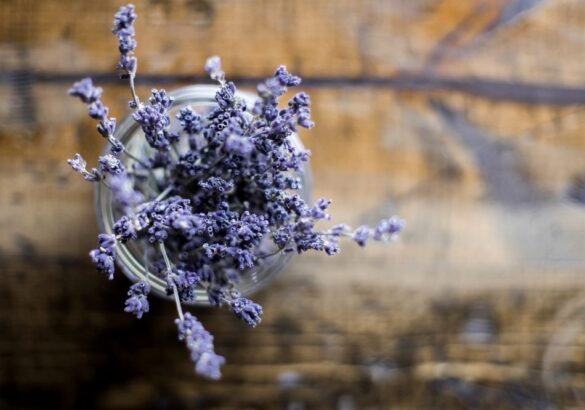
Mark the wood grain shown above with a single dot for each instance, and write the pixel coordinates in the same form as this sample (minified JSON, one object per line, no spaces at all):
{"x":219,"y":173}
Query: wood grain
{"x":463,"y":117}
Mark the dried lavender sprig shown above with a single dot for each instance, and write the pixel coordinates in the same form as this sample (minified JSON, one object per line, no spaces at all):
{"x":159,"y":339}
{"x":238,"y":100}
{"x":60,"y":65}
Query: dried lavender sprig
{"x":124,"y":29}
{"x":91,"y":95}
{"x":198,"y":340}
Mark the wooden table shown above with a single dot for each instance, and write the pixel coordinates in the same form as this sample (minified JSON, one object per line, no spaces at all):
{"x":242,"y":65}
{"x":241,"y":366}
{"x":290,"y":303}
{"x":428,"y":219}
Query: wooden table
{"x":464,"y":117}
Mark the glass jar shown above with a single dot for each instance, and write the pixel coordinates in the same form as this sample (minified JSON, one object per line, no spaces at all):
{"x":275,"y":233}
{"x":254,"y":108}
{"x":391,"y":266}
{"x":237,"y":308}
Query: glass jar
{"x":131,"y":256}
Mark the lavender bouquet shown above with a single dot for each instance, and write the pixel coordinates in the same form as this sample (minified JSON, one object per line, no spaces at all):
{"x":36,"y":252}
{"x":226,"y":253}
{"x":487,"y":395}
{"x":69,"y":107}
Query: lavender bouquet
{"x":219,"y":187}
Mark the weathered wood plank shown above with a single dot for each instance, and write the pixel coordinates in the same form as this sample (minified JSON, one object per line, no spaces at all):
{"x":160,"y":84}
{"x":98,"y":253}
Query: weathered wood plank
{"x":317,"y":38}
{"x":315,"y":348}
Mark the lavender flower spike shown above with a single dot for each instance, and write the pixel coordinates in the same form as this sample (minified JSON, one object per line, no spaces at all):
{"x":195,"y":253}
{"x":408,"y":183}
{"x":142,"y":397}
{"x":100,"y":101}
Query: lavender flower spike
{"x":200,"y":342}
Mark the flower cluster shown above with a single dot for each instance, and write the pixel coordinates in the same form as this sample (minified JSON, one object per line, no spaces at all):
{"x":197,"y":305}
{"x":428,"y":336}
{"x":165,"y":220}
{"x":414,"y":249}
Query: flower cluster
{"x":137,"y":302}
{"x":220,"y":188}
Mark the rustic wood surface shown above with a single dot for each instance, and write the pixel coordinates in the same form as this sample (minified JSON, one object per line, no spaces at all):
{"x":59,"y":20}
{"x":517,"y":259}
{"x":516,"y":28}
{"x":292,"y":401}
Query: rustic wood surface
{"x":464,"y":117}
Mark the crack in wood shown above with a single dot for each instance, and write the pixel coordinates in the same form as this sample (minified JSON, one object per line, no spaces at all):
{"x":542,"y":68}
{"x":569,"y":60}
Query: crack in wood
{"x":490,"y":89}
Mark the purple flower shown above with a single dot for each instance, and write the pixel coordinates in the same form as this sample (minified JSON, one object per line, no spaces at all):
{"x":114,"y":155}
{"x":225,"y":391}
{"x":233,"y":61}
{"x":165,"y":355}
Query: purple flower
{"x":361,"y":235}
{"x":208,"y":365}
{"x":126,"y":43}
{"x":124,"y":19}
{"x":190,"y":120}
{"x":128,"y":64}
{"x":106,"y":127}
{"x":124,"y":30}
{"x":200,"y":343}
{"x":161,"y":98}
{"x":154,"y":121}
{"x":125,"y":229}
{"x":285,"y":78}
{"x":97,"y":110}
{"x":123,"y":192}
{"x":247,"y":310}
{"x":86,"y":91}
{"x":226,"y":96}
{"x":331,"y":248}
{"x":116,"y":147}
{"x":78,"y":164}
{"x":318,"y":211}
{"x":137,"y":303}
{"x":235,"y":144}
{"x":300,"y":105}
{"x":300,"y":100}
{"x":103,"y":262}
{"x":104,"y":255}
{"x":388,"y":228}
{"x":186,"y":282}
{"x":213,"y":68}
{"x":215,"y":186}
{"x":109,"y":164}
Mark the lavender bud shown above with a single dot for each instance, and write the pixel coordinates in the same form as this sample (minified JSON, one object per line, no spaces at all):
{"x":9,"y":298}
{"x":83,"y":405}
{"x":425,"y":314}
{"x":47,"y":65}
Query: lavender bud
{"x":124,"y":228}
{"x":247,"y":310}
{"x":128,"y":64}
{"x":106,"y":127}
{"x":137,"y":303}
{"x":388,"y":228}
{"x":103,"y":262}
{"x":190,"y":120}
{"x":126,"y":43}
{"x":97,"y":110}
{"x":318,"y":211}
{"x":162,"y":98}
{"x":116,"y":146}
{"x":331,"y":248}
{"x":78,"y":164}
{"x":105,"y":254}
{"x":85,"y":90}
{"x":213,"y":68}
{"x":124,"y":18}
{"x":235,"y":144}
{"x":361,"y":235}
{"x":109,"y":164}
{"x":285,"y":78}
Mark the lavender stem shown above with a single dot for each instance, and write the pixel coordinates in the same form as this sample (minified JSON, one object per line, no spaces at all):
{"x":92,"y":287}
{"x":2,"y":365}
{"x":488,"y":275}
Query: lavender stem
{"x":163,"y":250}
